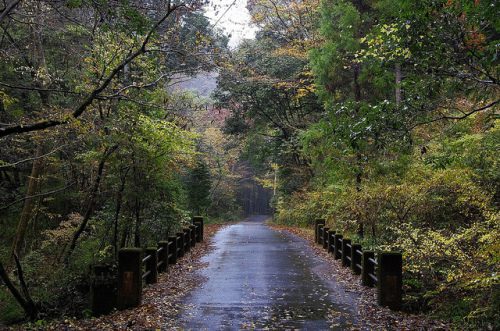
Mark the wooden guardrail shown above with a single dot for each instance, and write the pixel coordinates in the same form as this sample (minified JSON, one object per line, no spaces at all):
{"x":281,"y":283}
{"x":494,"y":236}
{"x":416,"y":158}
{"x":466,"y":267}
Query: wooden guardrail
{"x":383,"y":269}
{"x":137,"y":266}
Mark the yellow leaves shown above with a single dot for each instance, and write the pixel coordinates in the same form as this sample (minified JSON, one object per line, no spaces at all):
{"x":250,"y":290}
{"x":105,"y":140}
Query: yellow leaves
{"x":385,"y":43}
{"x":6,"y":99}
{"x":165,"y":142}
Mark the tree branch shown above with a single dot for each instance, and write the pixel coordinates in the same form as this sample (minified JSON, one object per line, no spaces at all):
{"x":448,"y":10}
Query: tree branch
{"x":465,"y":115}
{"x":38,"y":195}
{"x":21,"y":128}
{"x":8,"y":9}
{"x":11,"y":165}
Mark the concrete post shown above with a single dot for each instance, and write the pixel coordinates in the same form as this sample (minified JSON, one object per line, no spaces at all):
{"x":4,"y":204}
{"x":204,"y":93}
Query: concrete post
{"x":180,"y":244}
{"x":331,"y":241}
{"x":390,"y":280}
{"x":102,"y":290}
{"x":346,"y":252}
{"x":337,"y":248}
{"x":129,"y":277}
{"x":317,"y":222}
{"x":198,"y":220}
{"x":187,"y":240}
{"x":325,"y":237}
{"x":193,"y":235}
{"x":173,"y":250}
{"x":319,"y":230}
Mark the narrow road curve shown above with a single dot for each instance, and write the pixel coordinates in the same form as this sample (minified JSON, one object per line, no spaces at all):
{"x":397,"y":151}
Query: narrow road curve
{"x":258,"y":278}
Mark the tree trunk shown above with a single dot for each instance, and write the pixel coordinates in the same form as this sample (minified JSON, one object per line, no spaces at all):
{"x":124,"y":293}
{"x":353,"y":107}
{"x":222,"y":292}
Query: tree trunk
{"x":29,"y":203}
{"x":397,"y":70}
{"x":137,"y":233}
{"x":25,"y":302}
{"x":91,"y":201}
{"x":119,"y":198}
{"x":359,"y":174}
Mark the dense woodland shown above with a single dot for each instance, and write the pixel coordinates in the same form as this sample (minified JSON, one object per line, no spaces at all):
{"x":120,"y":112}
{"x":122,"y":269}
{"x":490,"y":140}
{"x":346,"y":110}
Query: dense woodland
{"x":379,"y":115}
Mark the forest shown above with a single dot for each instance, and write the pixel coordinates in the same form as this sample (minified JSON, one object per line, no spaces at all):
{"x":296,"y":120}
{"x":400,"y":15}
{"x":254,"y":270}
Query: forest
{"x":378,"y":115}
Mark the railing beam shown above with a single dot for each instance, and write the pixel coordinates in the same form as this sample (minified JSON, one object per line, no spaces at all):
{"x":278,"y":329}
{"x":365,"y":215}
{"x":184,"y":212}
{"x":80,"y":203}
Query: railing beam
{"x":151,"y":265}
{"x":163,"y":256}
{"x":356,"y":259}
{"x":367,"y":268}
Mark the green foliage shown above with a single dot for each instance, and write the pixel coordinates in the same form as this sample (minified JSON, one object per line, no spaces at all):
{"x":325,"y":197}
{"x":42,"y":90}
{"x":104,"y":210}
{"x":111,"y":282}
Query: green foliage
{"x":123,"y":165}
{"x":440,"y":210}
{"x":10,"y":310}
{"x":199,"y":187}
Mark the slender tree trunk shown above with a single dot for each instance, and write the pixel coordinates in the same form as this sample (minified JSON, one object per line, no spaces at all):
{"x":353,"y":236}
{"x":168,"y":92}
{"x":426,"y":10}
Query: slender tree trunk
{"x":23,"y":299}
{"x":359,"y":174}
{"x":91,"y":201}
{"x":33,"y":184}
{"x":397,"y":70}
{"x":125,"y":233}
{"x":137,"y":232}
{"x":119,"y":198}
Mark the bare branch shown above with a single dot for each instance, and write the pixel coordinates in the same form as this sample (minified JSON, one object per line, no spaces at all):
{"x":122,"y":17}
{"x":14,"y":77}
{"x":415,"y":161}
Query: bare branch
{"x":38,"y":89}
{"x":10,"y":165}
{"x":38,"y":195}
{"x":465,"y":115}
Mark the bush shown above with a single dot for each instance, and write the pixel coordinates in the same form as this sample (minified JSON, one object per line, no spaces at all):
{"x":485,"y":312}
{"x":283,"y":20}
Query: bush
{"x":10,"y":311}
{"x":445,"y":224}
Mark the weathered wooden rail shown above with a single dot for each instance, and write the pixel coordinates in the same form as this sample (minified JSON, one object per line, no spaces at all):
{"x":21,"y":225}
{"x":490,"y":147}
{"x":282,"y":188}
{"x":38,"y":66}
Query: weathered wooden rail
{"x":137,"y":266}
{"x":381,"y":269}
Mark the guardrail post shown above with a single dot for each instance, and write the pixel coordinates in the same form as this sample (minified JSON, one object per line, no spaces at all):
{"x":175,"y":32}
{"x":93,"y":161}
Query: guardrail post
{"x":346,"y":252}
{"x":187,"y":240}
{"x":193,"y":235}
{"x":173,"y":250}
{"x":198,"y":220}
{"x":337,"y":248}
{"x":317,"y":222}
{"x":367,"y":268}
{"x":151,"y":265}
{"x":102,"y":290}
{"x":331,"y":241}
{"x":180,"y":244}
{"x":163,"y":256}
{"x":129,"y":277}
{"x":325,"y":237}
{"x":390,"y":280}
{"x":320,"y":233}
{"x":356,"y":258}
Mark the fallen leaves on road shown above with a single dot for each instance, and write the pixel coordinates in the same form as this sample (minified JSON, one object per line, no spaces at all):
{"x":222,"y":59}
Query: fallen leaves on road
{"x":371,"y":315}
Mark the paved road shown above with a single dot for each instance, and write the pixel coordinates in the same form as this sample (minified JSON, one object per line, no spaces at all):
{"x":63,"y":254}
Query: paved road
{"x":259,"y":278}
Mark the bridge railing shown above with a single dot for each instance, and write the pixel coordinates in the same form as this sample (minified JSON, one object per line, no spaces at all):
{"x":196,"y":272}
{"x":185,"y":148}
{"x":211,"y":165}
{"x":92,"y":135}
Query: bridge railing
{"x":381,"y":269}
{"x":137,"y":266}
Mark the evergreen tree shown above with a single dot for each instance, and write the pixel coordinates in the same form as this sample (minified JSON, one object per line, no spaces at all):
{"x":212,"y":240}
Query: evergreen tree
{"x":199,"y":187}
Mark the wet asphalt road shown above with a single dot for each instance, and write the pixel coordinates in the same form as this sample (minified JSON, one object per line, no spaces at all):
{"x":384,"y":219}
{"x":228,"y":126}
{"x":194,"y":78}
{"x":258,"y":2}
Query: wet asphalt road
{"x":258,"y":278}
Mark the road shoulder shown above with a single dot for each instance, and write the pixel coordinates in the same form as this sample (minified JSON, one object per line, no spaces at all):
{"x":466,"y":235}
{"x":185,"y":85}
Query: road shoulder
{"x":371,"y":316}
